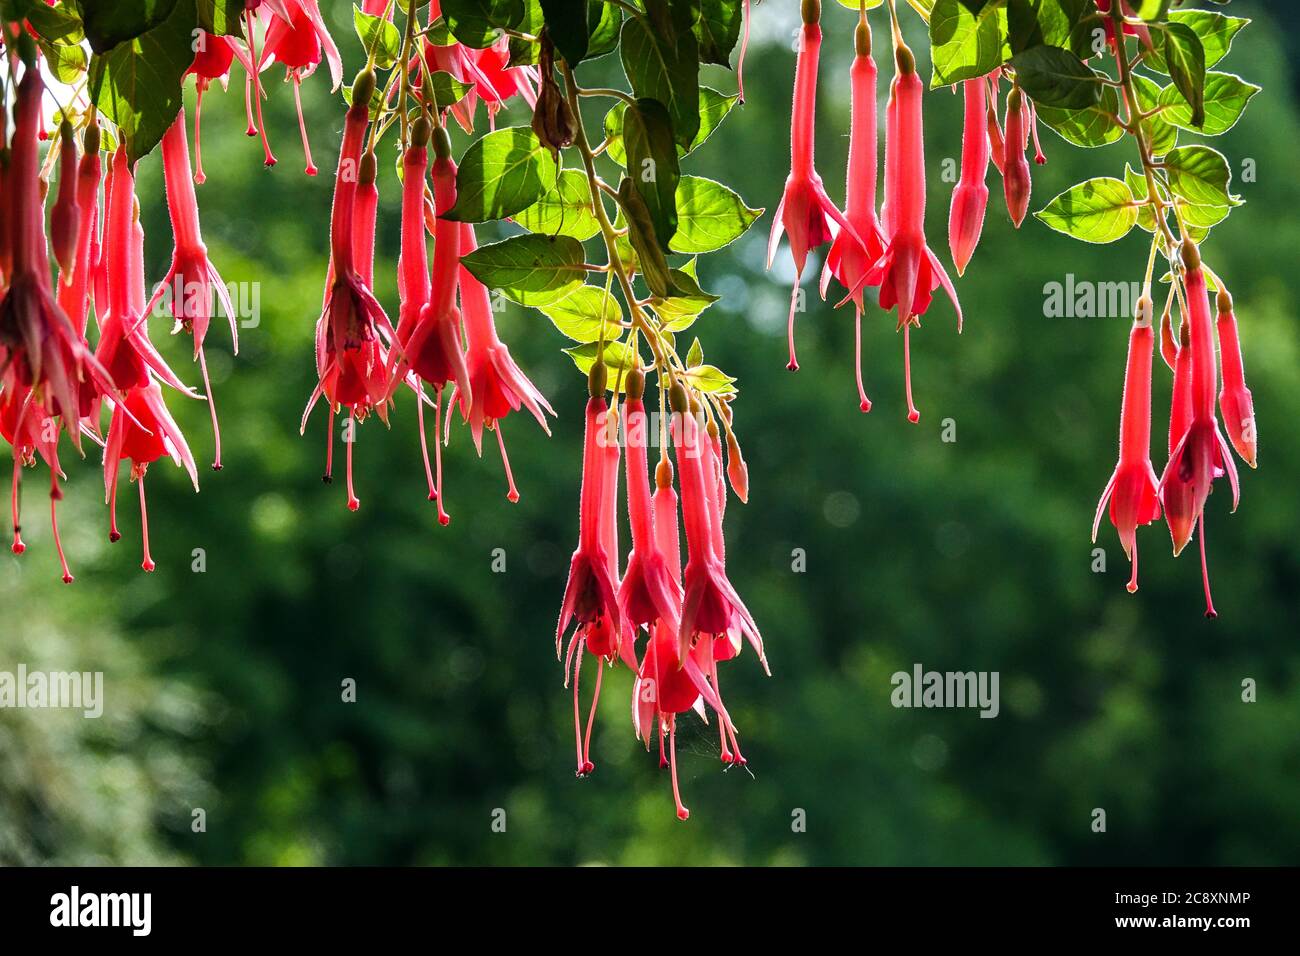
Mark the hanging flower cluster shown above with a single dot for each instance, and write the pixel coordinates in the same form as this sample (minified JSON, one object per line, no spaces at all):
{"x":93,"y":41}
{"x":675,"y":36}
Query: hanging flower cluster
{"x":607,"y":246}
{"x":1177,"y":195}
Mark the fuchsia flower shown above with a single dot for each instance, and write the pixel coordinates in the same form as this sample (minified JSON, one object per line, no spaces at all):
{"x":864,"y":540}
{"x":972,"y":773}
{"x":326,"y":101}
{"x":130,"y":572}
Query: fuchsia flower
{"x":497,"y":385}
{"x":141,"y":428}
{"x":650,"y":594}
{"x":488,"y":72}
{"x":590,"y":594}
{"x":47,"y":373}
{"x":852,"y":254}
{"x":971,"y":197}
{"x":1235,"y":402}
{"x":212,"y":61}
{"x":806,"y":212}
{"x":297,"y":43}
{"x":711,"y":606}
{"x":908,"y":272}
{"x":74,"y":283}
{"x":1201,"y":454}
{"x":1132,"y":489}
{"x":1015,"y":168}
{"x":430,"y":346}
{"x":351,"y":361}
{"x":65,"y":217}
{"x":191,"y":279}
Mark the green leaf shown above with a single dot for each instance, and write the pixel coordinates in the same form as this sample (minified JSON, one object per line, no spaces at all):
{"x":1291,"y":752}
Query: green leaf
{"x":1054,"y":77}
{"x":564,"y":211}
{"x":1049,"y":23}
{"x":709,"y":216}
{"x":480,"y":23}
{"x":617,"y":357}
{"x":662,"y":62}
{"x":566,"y":25}
{"x":501,"y":174}
{"x":1099,"y":210}
{"x":447,"y":90}
{"x":606,"y":21}
{"x":1095,"y":126}
{"x":67,"y":63}
{"x":965,"y":44}
{"x":531,"y":270}
{"x":679,"y":310}
{"x":378,"y":35}
{"x":717,"y":30}
{"x":223,"y":18}
{"x":1225,"y":100}
{"x":709,"y":378}
{"x":1160,"y":135}
{"x":57,"y":25}
{"x":137,"y":84}
{"x":652,"y":163}
{"x":641,"y":235}
{"x":714,"y":107}
{"x":695,"y":355}
{"x":1200,"y":174}
{"x":584,"y":313}
{"x":526,"y":52}
{"x":110,"y":22}
{"x":1185,"y":60}
{"x":1214,"y":30}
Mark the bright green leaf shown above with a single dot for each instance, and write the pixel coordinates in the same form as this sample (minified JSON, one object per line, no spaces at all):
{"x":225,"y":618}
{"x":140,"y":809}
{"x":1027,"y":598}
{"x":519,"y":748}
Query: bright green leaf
{"x":501,"y":174}
{"x":1099,"y":210}
{"x":709,"y":216}
{"x":565,"y":210}
{"x":531,"y":270}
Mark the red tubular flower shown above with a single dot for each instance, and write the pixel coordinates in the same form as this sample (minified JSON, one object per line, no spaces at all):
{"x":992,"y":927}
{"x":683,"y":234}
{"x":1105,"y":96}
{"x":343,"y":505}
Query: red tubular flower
{"x":431,"y":345}
{"x":971,"y":197}
{"x":997,"y":143}
{"x":351,"y":365}
{"x":65,"y":217}
{"x":1132,"y":490}
{"x":711,"y":606}
{"x":908,"y":272}
{"x":849,"y":259}
{"x":1180,"y":404}
{"x":191,"y":279}
{"x":1015,"y":168}
{"x":74,"y":284}
{"x":497,"y":385}
{"x":39,"y":346}
{"x":1235,"y":402}
{"x":650,"y":592}
{"x":590,"y":594}
{"x":805,"y":212}
{"x":212,"y":61}
{"x":1201,"y":454}
{"x":297,"y":44}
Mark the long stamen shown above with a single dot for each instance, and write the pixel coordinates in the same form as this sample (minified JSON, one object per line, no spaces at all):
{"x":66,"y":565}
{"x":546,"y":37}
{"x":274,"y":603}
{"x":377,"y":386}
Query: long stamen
{"x":663,"y":757}
{"x":722,"y":723}
{"x":212,"y":409}
{"x":251,"y":129}
{"x":863,"y":402}
{"x":913,"y":415}
{"x":577,"y":711}
{"x":682,"y":812}
{"x":740,"y":60}
{"x":147,"y":564}
{"x":513,"y":494}
{"x":587,"y":765}
{"x":793,"y":364}
{"x":199,"y":176}
{"x":424,"y":447}
{"x":353,"y":501}
{"x":55,"y":495}
{"x":257,"y":90}
{"x":444,"y":519}
{"x":1133,"y":581}
{"x":302,"y":125}
{"x":114,"y":535}
{"x":17,"y":547}
{"x":329,"y":449}
{"x":1210,"y":612}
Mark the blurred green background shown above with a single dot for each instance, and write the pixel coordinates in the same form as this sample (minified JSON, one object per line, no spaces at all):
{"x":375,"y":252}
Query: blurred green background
{"x":223,"y":687}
